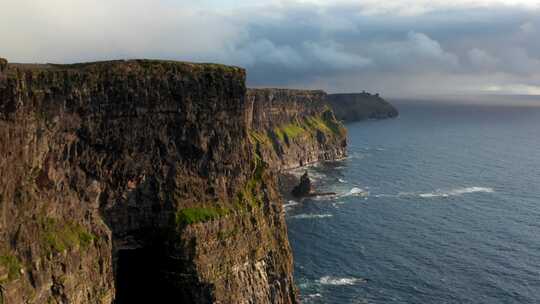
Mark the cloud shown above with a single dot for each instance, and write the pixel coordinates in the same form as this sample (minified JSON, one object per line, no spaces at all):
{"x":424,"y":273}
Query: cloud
{"x":333,"y":55}
{"x":67,"y":31}
{"x":419,"y":7}
{"x":416,"y":52}
{"x":392,"y":47}
{"x":481,"y":59}
{"x":528,"y":28}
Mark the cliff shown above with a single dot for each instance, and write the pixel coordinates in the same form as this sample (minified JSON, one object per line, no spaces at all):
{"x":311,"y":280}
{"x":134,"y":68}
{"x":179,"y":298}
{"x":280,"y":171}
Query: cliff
{"x":136,"y":181}
{"x":293,"y":128}
{"x":360,"y":106}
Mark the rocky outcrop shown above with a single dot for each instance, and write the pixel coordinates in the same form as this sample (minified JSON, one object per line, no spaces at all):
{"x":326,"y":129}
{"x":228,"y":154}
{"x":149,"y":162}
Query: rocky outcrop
{"x":293,"y":128}
{"x":146,"y":181}
{"x":304,"y":188}
{"x":360,"y":106}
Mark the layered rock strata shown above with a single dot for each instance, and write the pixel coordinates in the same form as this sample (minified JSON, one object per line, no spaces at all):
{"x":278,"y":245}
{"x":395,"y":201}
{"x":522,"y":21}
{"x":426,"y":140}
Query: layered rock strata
{"x":136,"y":181}
{"x":293,"y":128}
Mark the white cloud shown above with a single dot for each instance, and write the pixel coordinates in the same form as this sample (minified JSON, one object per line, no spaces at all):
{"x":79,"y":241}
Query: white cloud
{"x":418,"y":7}
{"x":67,"y":30}
{"x":417,"y":52}
{"x":333,"y":55}
{"x":482,"y":59}
{"x":264,"y":52}
{"x":528,"y":28}
{"x":333,"y":44}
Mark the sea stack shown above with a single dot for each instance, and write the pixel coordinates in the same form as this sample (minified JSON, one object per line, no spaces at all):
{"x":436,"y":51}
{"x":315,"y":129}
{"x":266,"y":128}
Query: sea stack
{"x":304,"y":188}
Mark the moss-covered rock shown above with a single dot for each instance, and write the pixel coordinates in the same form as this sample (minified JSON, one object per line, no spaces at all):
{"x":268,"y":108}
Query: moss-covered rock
{"x":10,"y":268}
{"x":293,"y":128}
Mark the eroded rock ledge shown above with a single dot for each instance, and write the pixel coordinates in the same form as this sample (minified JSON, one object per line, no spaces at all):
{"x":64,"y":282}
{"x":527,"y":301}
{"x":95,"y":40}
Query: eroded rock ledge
{"x":134,"y":181}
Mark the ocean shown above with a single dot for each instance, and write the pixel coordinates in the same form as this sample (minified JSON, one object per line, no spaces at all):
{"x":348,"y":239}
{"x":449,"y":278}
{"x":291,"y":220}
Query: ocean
{"x":441,"y":205}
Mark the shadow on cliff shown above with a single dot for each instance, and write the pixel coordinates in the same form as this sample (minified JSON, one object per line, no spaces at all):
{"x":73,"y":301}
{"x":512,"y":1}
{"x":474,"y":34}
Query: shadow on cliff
{"x":151,"y":263}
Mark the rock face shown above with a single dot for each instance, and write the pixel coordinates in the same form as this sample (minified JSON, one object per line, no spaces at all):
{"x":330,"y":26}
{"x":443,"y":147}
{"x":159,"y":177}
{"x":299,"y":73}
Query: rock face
{"x":360,"y":106}
{"x":293,"y":128}
{"x":145,"y":181}
{"x":304,"y":188}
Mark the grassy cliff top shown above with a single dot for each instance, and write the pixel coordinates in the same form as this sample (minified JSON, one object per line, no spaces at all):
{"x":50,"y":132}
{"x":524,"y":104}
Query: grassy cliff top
{"x":283,"y":90}
{"x":127,"y":64}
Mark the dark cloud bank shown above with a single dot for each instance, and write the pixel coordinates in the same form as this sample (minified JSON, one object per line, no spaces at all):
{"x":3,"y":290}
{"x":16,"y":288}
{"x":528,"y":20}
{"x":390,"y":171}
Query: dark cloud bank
{"x":337,"y":48}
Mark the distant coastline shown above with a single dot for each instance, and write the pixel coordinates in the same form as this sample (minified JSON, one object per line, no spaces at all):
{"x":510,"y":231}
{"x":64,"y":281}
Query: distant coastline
{"x":360,"y":106}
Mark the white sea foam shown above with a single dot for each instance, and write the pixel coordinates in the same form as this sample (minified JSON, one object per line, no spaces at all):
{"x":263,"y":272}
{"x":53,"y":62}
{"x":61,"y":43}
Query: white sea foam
{"x":328,"y":280}
{"x":456,"y":192}
{"x":355,"y":191}
{"x":290,"y":204}
{"x":311,"y":298}
{"x":337,"y":204}
{"x":357,"y":155}
{"x":311,"y":216}
{"x":441,"y":193}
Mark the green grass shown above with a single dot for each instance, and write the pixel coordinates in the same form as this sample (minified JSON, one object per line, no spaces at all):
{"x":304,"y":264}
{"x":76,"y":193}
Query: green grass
{"x":250,"y":195}
{"x":332,"y":124}
{"x":324,"y":122}
{"x":188,"y":216}
{"x":317,"y":123}
{"x":13,"y":265}
{"x":289,"y":131}
{"x":58,"y":236}
{"x":260,"y":138}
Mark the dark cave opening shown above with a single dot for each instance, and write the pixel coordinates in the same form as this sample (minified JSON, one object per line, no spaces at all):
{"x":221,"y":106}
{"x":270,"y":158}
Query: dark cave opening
{"x":149,"y":275}
{"x":139,"y":278}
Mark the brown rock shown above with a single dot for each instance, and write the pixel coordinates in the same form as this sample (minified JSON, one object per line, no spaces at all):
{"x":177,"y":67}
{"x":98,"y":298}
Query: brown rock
{"x":3,"y":64}
{"x":136,"y":180}
{"x":145,"y":181}
{"x":294,"y":128}
{"x":304,"y":188}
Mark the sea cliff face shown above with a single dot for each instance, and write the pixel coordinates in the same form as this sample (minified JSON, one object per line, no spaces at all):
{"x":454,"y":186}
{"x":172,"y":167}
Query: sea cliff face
{"x":360,"y":106}
{"x":293,"y":128}
{"x":144,"y":181}
{"x":135,"y":180}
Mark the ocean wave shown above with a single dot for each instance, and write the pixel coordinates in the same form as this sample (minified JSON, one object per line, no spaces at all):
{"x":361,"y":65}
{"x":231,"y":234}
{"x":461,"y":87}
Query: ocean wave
{"x":311,"y":298}
{"x":355,"y":191}
{"x":456,"y":192}
{"x":290,"y":204}
{"x":440,"y":193}
{"x":337,"y":204}
{"x":335,"y":281}
{"x":311,"y":216}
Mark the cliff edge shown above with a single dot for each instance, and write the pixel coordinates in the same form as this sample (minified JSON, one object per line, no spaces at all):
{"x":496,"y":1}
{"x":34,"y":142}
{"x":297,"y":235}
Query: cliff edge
{"x":360,"y":106}
{"x":143,"y":181}
{"x":294,"y":128}
{"x":135,"y":181}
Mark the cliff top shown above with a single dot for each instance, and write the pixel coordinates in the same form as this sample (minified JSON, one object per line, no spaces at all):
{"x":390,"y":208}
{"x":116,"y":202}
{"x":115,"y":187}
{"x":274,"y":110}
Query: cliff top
{"x":282,"y":90}
{"x":128,"y":64}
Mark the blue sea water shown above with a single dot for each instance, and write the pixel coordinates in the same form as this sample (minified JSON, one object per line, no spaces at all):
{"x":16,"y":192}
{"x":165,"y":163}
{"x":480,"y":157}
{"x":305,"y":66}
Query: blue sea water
{"x":441,"y":205}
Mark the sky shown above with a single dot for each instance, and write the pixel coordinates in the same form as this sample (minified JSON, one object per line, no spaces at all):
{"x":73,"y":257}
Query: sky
{"x":398,"y":48}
